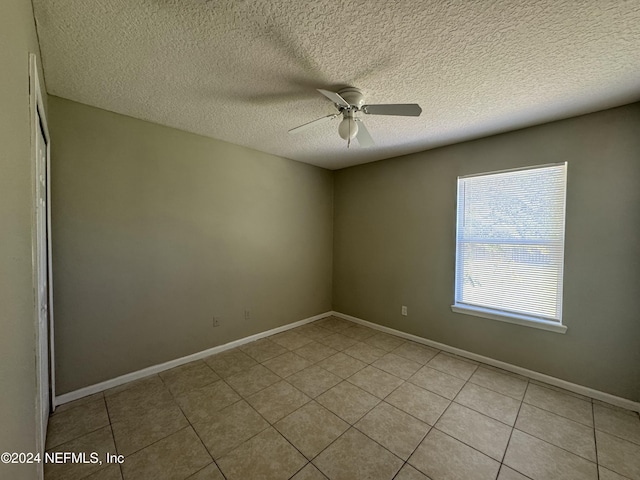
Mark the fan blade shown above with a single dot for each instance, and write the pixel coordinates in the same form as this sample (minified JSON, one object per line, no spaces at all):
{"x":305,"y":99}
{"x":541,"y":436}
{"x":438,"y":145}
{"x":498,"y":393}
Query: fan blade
{"x":313,"y":123}
{"x":363,"y":136}
{"x":402,"y":109}
{"x":334,"y":97}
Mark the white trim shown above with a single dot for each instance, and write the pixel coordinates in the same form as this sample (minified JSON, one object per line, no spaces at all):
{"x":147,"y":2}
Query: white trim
{"x":145,"y":372}
{"x":514,"y":318}
{"x":38,"y":123}
{"x":510,"y":170}
{"x":557,"y":382}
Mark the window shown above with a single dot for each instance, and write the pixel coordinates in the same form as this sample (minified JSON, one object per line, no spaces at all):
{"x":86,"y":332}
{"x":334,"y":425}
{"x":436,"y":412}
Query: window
{"x":510,"y":246}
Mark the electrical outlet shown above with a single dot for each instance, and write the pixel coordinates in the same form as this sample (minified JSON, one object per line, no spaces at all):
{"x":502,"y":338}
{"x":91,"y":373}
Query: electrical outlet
{"x":404,"y":311}
{"x":247,"y":315}
{"x":216,"y":322}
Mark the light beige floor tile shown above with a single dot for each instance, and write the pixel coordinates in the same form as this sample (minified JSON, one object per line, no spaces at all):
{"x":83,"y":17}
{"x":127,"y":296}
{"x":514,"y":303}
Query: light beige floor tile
{"x":334,"y":324}
{"x":277,"y":401}
{"x":315,"y":351}
{"x":134,"y":434}
{"x":348,"y":401}
{"x":358,"y":332}
{"x":507,"y":473}
{"x":364,"y":352}
{"x":252,"y":380}
{"x":618,"y":455}
{"x":263,"y":349}
{"x":397,"y":365}
{"x":187,"y":377}
{"x":416,"y":352}
{"x":100,"y":441}
{"x":438,"y":382}
{"x":290,"y":340}
{"x":453,"y":365}
{"x":355,"y":456}
{"x":309,"y":472}
{"x":314,"y":380}
{"x":490,"y":403}
{"x":557,"y":430}
{"x":440,"y":456}
{"x":76,"y":403}
{"x":77,"y":421}
{"x":418,"y":402}
{"x":137,"y":425}
{"x":499,"y":382}
{"x":476,"y":430}
{"x":337,"y":341}
{"x":606,"y":474}
{"x":342,"y":365}
{"x":314,"y":332}
{"x":397,"y":431}
{"x":557,"y":402}
{"x":541,"y":460}
{"x":286,"y":364}
{"x":210,"y":472}
{"x":230,"y":362}
{"x":176,"y":456}
{"x":375,"y":381}
{"x":407,"y":472}
{"x":266,"y":456}
{"x":138,"y":399}
{"x":618,"y":423}
{"x":229,"y":427}
{"x":112,"y":472}
{"x":311,"y":428}
{"x":384,"y":341}
{"x":199,"y":404}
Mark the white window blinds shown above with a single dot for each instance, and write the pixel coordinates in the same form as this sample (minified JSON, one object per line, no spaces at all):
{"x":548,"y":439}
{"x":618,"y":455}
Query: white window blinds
{"x":510,"y":241}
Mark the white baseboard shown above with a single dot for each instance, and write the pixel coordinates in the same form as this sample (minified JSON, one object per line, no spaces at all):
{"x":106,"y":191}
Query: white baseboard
{"x":572,"y":387}
{"x":152,"y":370}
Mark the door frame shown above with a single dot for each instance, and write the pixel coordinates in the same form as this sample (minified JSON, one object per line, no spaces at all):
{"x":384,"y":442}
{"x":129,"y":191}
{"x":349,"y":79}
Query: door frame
{"x":38,"y":120}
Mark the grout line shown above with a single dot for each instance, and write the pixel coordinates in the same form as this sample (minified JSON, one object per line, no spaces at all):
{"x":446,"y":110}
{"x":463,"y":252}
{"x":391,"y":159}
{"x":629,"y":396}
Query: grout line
{"x":156,"y":441}
{"x":556,"y":446}
{"x":191,"y":425}
{"x":353,"y":425}
{"x":534,"y":376}
{"x":272,"y":425}
{"x":558,"y":414}
{"x":113,"y":437}
{"x":470,"y":446}
{"x":483,"y":413}
{"x":514,"y":426}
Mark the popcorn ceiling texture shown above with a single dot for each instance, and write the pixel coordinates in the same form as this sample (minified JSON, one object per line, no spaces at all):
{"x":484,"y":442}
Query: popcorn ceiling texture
{"x":245,"y":71}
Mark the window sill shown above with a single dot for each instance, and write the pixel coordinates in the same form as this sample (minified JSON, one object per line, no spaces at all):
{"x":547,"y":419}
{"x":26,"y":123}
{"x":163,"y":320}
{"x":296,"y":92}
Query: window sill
{"x":514,"y":318}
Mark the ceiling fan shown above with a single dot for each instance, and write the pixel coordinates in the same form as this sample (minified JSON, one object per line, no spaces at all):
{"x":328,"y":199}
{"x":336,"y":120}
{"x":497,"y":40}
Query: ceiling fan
{"x":349,"y":101}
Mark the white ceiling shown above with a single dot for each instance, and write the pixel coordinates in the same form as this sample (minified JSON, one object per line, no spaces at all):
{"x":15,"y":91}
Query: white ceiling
{"x":246,"y":71}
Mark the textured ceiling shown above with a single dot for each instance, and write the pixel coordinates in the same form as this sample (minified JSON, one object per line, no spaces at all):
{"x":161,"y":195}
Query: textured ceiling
{"x":246,"y":71}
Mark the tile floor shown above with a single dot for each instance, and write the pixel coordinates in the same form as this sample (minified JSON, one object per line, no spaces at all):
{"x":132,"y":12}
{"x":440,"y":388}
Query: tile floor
{"x":337,"y":400}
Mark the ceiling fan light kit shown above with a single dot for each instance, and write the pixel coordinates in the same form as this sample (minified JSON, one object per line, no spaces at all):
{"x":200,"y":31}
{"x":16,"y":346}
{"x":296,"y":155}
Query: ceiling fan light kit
{"x":349,"y":101}
{"x":348,"y":128}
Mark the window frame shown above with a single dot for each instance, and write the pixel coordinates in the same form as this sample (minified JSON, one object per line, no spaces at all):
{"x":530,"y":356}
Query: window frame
{"x":501,"y":315}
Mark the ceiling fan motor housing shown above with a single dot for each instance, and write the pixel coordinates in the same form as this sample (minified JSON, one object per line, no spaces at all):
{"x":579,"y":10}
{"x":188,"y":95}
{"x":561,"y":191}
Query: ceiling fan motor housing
{"x":353,"y":96}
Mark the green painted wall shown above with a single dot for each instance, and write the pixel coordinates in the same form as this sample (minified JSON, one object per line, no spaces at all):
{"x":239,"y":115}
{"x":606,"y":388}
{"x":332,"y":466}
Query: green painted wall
{"x":156,"y":230}
{"x":394,"y":245}
{"x":17,"y":317}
